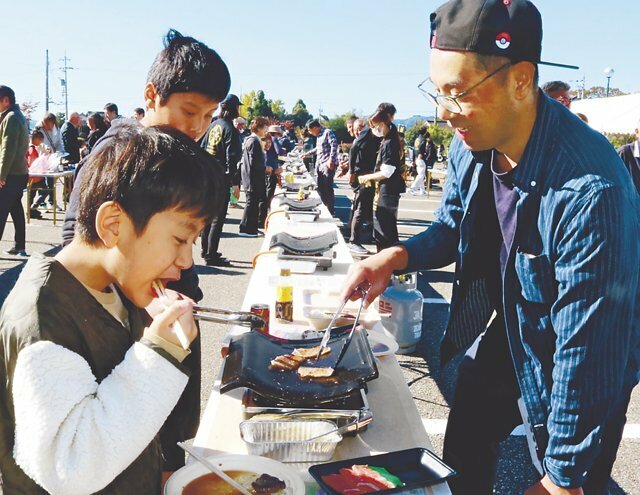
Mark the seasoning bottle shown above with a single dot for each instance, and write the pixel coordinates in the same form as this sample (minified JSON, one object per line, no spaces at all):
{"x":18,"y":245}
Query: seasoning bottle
{"x":284,"y":296}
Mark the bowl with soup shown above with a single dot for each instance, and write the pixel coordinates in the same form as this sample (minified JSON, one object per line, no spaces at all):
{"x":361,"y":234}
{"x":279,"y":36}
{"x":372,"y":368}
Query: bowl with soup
{"x":258,"y":475}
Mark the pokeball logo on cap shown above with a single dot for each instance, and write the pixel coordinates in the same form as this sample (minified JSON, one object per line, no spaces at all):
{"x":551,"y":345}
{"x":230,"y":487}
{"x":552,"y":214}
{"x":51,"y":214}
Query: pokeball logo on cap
{"x":503,"y":41}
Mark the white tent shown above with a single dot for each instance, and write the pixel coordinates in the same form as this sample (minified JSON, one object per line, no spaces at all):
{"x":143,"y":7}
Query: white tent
{"x":613,"y":114}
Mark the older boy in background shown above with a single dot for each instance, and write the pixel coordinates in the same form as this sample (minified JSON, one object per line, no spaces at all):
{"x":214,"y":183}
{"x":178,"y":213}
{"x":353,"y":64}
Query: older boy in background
{"x":185,"y":84}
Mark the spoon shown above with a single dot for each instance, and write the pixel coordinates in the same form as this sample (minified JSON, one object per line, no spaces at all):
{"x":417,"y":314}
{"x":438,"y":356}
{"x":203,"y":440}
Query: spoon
{"x":214,"y":469}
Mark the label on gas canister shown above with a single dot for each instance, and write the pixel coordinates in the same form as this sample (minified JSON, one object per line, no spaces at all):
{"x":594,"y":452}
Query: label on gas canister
{"x":417,"y":330}
{"x":384,"y":307}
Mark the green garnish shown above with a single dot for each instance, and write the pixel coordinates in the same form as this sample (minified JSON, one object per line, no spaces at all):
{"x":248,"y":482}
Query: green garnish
{"x":387,"y":475}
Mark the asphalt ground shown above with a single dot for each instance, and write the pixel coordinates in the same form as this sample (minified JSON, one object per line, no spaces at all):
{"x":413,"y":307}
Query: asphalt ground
{"x":431,"y":386}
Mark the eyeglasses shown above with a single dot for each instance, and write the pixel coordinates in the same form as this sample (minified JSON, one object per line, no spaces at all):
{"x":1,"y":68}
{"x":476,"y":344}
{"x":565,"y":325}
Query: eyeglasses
{"x":450,"y":103}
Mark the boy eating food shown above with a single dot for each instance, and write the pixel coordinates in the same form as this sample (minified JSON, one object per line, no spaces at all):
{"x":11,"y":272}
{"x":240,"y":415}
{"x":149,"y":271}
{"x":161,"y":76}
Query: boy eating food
{"x":89,"y":378}
{"x":185,"y":84}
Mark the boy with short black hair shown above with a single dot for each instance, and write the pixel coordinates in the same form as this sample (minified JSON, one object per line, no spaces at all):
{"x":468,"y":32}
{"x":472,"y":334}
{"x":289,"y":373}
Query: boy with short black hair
{"x":89,"y":377}
{"x":185,"y":84}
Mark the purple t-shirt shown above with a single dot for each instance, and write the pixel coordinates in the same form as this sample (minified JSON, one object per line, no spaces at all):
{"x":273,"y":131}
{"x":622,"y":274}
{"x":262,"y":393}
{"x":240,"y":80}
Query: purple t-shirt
{"x":505,"y":197}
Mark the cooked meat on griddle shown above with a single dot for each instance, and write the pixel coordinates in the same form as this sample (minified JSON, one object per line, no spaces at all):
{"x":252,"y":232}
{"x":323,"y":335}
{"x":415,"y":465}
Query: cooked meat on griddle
{"x":308,"y":372}
{"x":311,"y":352}
{"x":286,"y":362}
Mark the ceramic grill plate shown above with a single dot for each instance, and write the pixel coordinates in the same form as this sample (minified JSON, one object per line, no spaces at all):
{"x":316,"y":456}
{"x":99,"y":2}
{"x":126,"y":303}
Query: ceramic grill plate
{"x":250,"y":354}
{"x":313,"y":245}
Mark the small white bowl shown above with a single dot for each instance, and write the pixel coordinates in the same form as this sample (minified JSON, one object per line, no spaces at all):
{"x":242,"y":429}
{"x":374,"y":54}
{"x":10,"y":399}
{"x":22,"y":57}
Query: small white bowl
{"x":249,"y":463}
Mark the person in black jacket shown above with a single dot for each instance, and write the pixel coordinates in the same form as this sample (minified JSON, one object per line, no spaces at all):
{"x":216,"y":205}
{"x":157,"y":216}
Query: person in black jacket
{"x":184,"y":85}
{"x":425,"y":156}
{"x":222,"y":142}
{"x":630,"y":154}
{"x":362,"y":161}
{"x":253,"y":178}
{"x":70,"y":141}
{"x":387,"y":177}
{"x":97,"y":129}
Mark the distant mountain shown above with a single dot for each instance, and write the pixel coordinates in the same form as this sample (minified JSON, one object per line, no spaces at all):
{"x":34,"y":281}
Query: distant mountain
{"x":409,"y":123}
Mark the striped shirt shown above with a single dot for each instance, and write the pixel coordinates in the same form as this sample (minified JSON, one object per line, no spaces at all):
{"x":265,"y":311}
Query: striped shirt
{"x":570,"y":295}
{"x":326,"y":151}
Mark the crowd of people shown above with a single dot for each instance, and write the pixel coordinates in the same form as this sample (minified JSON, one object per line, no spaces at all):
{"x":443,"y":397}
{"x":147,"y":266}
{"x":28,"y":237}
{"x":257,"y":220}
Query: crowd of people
{"x":540,"y":217}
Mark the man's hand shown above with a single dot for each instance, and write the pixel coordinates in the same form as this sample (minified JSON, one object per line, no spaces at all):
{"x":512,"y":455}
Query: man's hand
{"x":2,"y":183}
{"x":547,"y":487}
{"x":236,"y":192}
{"x":268,"y":170}
{"x":363,"y":179}
{"x":376,"y":271}
{"x":331,"y":165}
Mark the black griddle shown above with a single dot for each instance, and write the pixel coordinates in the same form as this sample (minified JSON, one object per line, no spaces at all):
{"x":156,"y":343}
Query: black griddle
{"x":300,"y":204}
{"x":250,"y":354}
{"x":312,"y":245}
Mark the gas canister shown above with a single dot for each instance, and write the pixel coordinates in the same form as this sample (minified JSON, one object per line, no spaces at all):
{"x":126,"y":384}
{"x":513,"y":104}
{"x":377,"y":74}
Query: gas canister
{"x":400,"y":308}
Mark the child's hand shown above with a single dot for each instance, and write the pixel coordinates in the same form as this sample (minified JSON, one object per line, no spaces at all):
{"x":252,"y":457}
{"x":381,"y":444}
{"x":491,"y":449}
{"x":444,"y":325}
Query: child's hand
{"x":180,"y":311}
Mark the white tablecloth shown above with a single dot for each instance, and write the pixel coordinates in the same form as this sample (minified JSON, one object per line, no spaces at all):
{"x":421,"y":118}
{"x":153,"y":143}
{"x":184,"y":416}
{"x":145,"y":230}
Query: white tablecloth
{"x":397,"y":424}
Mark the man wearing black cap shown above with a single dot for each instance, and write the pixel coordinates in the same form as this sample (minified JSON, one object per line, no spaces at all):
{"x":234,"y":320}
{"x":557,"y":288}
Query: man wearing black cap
{"x":542,"y":221}
{"x":222,"y":141}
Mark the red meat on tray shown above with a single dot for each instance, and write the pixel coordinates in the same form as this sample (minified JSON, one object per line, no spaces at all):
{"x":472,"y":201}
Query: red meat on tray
{"x":357,"y":480}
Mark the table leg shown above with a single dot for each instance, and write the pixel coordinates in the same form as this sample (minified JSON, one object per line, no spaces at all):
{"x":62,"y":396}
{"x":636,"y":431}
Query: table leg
{"x":55,"y":201}
{"x":28,"y":201}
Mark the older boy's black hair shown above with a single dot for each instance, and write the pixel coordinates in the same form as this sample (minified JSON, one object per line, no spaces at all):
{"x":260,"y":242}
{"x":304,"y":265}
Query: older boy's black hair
{"x":7,"y":91}
{"x":187,"y":65}
{"x":147,"y":170}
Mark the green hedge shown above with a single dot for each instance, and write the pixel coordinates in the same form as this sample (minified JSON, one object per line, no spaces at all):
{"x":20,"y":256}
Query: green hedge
{"x":618,"y":139}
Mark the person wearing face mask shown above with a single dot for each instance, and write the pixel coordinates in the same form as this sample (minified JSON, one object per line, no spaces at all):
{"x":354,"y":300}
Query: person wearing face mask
{"x":387,"y":177}
{"x":253,"y":178}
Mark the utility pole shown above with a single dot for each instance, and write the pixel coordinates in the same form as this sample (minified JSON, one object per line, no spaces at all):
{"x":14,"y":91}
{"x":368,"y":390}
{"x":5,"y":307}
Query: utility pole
{"x":65,"y":86}
{"x":46,"y":104}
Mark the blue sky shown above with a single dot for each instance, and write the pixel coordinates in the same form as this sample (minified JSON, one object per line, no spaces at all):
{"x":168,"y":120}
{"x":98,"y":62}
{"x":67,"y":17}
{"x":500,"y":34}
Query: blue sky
{"x":338,"y":55}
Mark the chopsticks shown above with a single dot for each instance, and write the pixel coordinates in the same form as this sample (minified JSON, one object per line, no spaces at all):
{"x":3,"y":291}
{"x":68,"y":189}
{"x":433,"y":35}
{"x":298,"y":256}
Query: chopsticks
{"x":214,"y":469}
{"x":176,"y":327}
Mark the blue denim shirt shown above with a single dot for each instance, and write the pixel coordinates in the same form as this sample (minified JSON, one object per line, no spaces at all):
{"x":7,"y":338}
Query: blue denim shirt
{"x":570,"y":295}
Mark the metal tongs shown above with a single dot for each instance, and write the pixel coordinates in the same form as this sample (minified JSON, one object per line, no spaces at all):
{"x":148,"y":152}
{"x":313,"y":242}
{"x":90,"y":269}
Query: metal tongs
{"x":361,"y":421}
{"x":363,"y":289}
{"x":240,"y":318}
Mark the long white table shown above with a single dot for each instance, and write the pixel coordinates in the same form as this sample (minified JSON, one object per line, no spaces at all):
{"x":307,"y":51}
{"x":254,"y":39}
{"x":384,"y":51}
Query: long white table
{"x":397,"y":424}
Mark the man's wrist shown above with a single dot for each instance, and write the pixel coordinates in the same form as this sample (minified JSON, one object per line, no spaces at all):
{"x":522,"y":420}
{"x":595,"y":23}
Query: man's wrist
{"x":398,"y":257}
